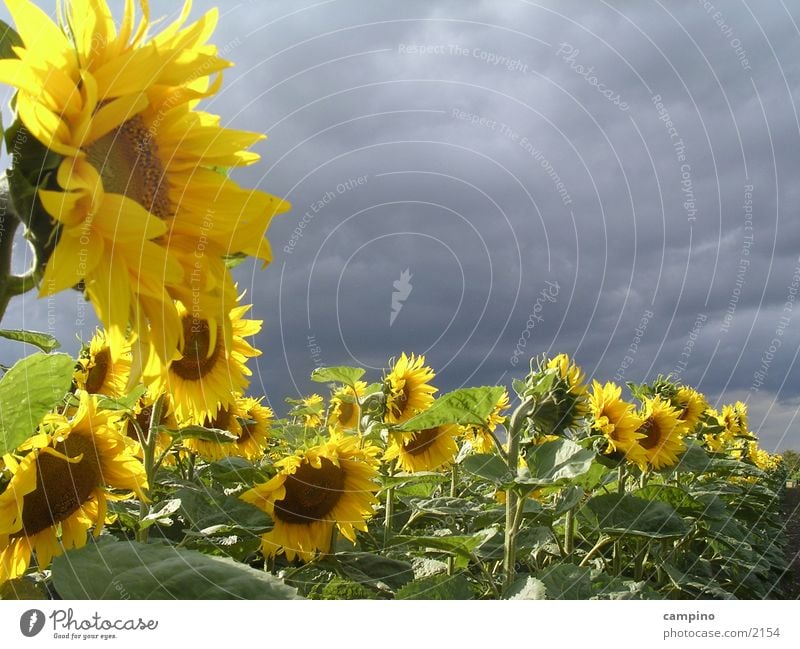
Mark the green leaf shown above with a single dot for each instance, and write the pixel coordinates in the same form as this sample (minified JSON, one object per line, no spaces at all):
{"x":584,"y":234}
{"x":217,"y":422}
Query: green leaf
{"x":372,"y":569}
{"x":468,"y":406}
{"x":129,"y":570}
{"x":205,"y":434}
{"x":676,"y":497}
{"x":566,"y":500}
{"x":626,"y":515}
{"x":341,"y":374}
{"x":122,"y":403}
{"x":28,"y":391}
{"x":489,"y":467}
{"x":212,"y":512}
{"x":561,"y":459}
{"x":566,"y":581}
{"x":22,"y":588}
{"x":43,"y":341}
{"x":462,"y":546}
{"x":8,"y":39}
{"x":694,"y":460}
{"x":442,"y":587}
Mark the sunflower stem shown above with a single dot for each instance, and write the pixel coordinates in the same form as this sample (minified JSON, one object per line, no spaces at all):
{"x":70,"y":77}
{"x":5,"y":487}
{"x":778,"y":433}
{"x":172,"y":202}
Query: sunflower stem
{"x":518,"y":419}
{"x":601,"y":543}
{"x":149,"y":452}
{"x":387,"y":521}
{"x":451,"y":561}
{"x":569,"y":534}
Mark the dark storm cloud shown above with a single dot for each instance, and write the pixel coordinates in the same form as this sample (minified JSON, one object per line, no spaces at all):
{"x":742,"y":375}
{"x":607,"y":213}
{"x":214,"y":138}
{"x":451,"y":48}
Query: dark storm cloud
{"x":493,"y":163}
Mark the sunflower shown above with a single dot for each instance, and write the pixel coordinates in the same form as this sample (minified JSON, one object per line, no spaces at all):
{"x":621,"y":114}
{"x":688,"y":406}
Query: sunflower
{"x":59,"y":488}
{"x":566,"y":404}
{"x":691,"y":405}
{"x":424,"y":450}
{"x":314,"y":404}
{"x":207,"y":371}
{"x":143,"y":215}
{"x":142,"y":413}
{"x":662,"y":431}
{"x":345,"y":411}
{"x":99,"y":373}
{"x":332,"y":484}
{"x":408,"y":389}
{"x":761,"y":458}
{"x":617,"y":421}
{"x":480,"y":437}
{"x":247,"y":420}
{"x":734,"y":419}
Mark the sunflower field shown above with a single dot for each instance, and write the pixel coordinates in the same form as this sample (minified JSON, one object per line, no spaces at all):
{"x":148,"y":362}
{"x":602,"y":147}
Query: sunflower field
{"x":144,"y":469}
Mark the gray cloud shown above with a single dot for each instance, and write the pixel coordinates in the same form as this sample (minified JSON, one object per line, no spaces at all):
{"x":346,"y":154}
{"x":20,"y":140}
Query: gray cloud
{"x":494,"y":164}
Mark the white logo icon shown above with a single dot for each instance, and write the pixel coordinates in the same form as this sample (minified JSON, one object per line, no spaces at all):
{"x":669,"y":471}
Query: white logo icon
{"x":402,"y":289}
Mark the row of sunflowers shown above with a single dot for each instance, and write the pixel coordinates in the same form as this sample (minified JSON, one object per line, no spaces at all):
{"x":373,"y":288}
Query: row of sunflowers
{"x":143,"y":470}
{"x":383,"y":490}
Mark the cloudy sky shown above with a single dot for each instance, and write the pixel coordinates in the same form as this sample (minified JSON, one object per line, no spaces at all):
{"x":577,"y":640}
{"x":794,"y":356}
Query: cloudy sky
{"x":613,"y":180}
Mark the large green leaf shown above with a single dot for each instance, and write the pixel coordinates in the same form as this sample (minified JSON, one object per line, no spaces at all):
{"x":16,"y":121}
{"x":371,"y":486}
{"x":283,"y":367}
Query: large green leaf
{"x":443,"y":587}
{"x":676,"y":497}
{"x":561,"y":459}
{"x":462,"y":546}
{"x":626,"y":515}
{"x":468,"y":406}
{"x":43,"y":341}
{"x":371,"y":569}
{"x":29,"y":390}
{"x":129,"y":570}
{"x":341,"y":374}
{"x":489,"y":467}
{"x":212,"y":512}
{"x":694,"y":460}
{"x":566,"y":581}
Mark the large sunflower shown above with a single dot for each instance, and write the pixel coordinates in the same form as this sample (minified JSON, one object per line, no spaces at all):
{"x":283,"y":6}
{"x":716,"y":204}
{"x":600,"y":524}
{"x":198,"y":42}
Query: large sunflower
{"x":332,"y":484}
{"x":424,"y":450}
{"x":345,"y":411}
{"x":663,"y":431}
{"x":247,"y":420}
{"x":99,"y":373}
{"x":208,"y":371}
{"x":143,"y":214}
{"x":617,"y":421}
{"x":59,"y":488}
{"x":408,"y":389}
{"x":480,"y":437}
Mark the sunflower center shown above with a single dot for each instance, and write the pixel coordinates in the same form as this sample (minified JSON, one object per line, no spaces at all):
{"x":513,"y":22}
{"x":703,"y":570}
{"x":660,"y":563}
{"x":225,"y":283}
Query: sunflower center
{"x":311,"y":493}
{"x":96,"y":376}
{"x":195,"y":362}
{"x":652,"y":431}
{"x":143,"y":419}
{"x":421,"y":441}
{"x":346,"y":412}
{"x":128,"y":161}
{"x":61,"y":486}
{"x":221,"y":421}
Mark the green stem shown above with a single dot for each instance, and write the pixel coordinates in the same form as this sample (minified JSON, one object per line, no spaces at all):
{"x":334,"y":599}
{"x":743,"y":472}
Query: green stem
{"x":604,"y":541}
{"x":512,"y":521}
{"x":621,"y":474}
{"x":149,"y":452}
{"x":451,"y":561}
{"x":569,"y":534}
{"x":387,"y":521}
